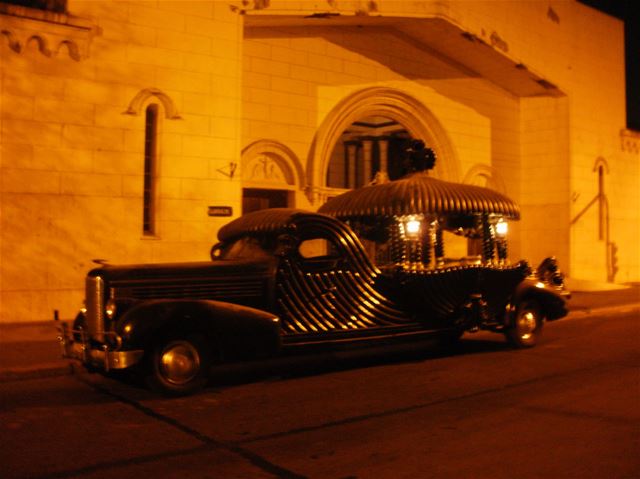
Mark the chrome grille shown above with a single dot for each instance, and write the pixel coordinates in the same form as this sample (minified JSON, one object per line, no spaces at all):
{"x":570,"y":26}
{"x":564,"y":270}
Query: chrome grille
{"x":218,"y":289}
{"x":94,"y":291}
{"x":223,"y":287}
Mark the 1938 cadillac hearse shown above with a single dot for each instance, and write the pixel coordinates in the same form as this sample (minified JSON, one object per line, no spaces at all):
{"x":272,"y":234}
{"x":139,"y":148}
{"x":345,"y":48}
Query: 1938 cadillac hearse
{"x":370,"y":267}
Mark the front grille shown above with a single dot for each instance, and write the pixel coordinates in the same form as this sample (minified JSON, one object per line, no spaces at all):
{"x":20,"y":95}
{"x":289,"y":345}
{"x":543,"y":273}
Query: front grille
{"x":94,"y":291}
{"x":218,"y":289}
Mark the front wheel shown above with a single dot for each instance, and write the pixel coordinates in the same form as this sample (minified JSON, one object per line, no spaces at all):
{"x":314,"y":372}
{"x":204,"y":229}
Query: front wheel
{"x":179,"y":366}
{"x":526,"y":325}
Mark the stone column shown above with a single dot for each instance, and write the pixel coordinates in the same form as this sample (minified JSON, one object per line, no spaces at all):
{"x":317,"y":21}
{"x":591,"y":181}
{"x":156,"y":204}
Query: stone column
{"x":367,"y":158}
{"x":383,"y":148}
{"x":352,"y":157}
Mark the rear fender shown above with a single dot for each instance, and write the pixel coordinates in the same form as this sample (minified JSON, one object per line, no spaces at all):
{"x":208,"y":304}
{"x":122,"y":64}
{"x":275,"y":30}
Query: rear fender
{"x":235,"y":331}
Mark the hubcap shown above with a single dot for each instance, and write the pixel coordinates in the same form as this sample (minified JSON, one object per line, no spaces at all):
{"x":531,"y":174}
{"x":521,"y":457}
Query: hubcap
{"x":180,"y":362}
{"x":527,"y":324}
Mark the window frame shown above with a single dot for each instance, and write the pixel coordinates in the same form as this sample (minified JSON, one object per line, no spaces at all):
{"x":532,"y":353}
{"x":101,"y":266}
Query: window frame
{"x":149,"y":191}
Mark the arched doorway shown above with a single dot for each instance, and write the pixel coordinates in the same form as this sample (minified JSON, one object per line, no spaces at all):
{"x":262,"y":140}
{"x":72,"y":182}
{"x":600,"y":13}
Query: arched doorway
{"x":271,"y":174}
{"x":373,"y":110}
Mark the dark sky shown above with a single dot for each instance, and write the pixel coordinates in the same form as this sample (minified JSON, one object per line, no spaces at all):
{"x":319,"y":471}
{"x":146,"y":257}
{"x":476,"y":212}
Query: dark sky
{"x":622,"y":10}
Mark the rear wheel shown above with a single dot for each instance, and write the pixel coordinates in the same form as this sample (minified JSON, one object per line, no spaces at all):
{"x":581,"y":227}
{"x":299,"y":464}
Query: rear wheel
{"x":526,"y":326}
{"x":179,"y":366}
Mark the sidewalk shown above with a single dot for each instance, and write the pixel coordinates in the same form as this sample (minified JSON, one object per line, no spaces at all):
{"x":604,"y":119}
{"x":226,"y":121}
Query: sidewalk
{"x":31,"y":350}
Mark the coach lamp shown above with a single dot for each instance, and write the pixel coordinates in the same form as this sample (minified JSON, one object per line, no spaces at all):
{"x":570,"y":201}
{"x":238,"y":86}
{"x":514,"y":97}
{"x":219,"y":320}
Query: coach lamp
{"x":501,"y":229}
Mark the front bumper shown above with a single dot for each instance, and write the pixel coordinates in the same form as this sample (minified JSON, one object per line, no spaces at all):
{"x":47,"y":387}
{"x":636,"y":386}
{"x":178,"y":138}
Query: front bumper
{"x":91,"y":356}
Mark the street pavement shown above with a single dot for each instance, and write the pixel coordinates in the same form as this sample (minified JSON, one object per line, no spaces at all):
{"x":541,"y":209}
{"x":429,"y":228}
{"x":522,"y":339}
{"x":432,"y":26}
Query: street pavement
{"x":29,"y":351}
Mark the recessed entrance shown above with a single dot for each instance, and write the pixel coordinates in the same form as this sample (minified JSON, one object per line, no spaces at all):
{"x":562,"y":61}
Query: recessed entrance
{"x":254,"y":199}
{"x":371,"y":148}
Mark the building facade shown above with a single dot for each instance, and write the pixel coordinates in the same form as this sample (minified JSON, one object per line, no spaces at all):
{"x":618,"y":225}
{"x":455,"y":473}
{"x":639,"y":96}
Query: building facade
{"x":132,"y":131}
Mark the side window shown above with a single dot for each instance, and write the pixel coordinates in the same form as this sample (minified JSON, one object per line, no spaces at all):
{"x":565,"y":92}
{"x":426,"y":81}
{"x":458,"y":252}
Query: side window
{"x":318,"y":248}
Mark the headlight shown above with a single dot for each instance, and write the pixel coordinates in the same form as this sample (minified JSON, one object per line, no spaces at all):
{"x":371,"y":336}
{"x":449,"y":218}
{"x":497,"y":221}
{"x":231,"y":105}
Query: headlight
{"x":110,"y":308}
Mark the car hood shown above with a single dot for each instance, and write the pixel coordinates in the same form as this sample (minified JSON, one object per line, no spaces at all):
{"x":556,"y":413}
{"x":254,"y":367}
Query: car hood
{"x":203,"y":269}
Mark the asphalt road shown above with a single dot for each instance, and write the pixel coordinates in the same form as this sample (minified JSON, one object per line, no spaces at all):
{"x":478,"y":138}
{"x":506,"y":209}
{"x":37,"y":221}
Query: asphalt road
{"x":568,"y":408}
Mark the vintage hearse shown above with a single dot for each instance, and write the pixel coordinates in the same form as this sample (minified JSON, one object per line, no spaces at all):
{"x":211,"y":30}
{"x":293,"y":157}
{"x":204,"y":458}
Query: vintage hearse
{"x":370,"y":267}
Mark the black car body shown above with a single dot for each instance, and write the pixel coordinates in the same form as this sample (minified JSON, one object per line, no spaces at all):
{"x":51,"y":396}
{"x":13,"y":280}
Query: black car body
{"x":283,"y":280}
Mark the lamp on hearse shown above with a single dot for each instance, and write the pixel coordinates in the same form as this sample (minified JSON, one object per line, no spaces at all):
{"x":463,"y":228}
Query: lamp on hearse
{"x":412,"y":226}
{"x":501,"y":228}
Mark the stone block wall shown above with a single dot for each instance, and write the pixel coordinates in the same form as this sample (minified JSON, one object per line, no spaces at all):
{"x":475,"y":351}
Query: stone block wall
{"x":73,"y":141}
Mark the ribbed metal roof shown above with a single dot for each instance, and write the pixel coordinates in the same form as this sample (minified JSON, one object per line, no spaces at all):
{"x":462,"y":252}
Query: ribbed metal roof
{"x":419,"y":194}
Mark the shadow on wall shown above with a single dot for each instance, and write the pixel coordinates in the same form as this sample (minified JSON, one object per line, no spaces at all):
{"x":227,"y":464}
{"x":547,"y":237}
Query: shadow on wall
{"x":601,"y":199}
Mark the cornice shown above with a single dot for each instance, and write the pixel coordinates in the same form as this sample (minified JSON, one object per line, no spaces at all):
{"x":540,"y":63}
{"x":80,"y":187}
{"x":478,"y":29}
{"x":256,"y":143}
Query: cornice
{"x":54,"y":33}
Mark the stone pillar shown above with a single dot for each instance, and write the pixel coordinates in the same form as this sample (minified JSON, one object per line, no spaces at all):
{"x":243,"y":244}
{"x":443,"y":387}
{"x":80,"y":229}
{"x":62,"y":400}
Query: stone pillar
{"x":367,"y":158}
{"x":383,"y":148}
{"x":352,"y":158}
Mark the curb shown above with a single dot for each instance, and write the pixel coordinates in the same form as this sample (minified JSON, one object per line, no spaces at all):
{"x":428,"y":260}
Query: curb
{"x":64,"y":367}
{"x":38,"y":371}
{"x":620,"y":309}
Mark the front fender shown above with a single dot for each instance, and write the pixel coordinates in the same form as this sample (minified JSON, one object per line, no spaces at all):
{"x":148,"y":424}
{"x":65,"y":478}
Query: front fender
{"x":552,"y":299}
{"x":235,"y":330}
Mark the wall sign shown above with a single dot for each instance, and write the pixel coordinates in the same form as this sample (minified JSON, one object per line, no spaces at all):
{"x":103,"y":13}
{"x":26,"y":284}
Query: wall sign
{"x":220,"y":211}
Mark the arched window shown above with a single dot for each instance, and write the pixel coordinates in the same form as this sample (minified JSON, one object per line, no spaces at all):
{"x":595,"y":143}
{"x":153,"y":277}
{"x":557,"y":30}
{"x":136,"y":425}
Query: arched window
{"x":601,"y":203}
{"x":150,"y":164}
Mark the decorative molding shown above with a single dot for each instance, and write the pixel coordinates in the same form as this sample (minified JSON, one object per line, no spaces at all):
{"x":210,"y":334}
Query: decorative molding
{"x":498,"y":42}
{"x":249,"y":5}
{"x":630,"y":141}
{"x":489,"y":177}
{"x":14,"y":44}
{"x":52,"y":32}
{"x":42,"y":42}
{"x":72,"y":49}
{"x":142,"y":98}
{"x":320,"y":195}
{"x":265,"y":169}
{"x":266,"y":163}
{"x":601,"y":162}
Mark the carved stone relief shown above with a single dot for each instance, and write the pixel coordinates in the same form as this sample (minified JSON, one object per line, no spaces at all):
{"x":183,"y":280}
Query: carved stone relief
{"x":270,"y":164}
{"x":265,"y":168}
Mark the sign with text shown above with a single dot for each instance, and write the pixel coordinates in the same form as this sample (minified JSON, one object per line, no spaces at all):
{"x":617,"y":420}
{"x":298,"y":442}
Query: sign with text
{"x":220,"y":211}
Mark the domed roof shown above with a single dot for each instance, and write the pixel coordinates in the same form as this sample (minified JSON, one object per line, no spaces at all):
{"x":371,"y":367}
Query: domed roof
{"x":419,"y":193}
